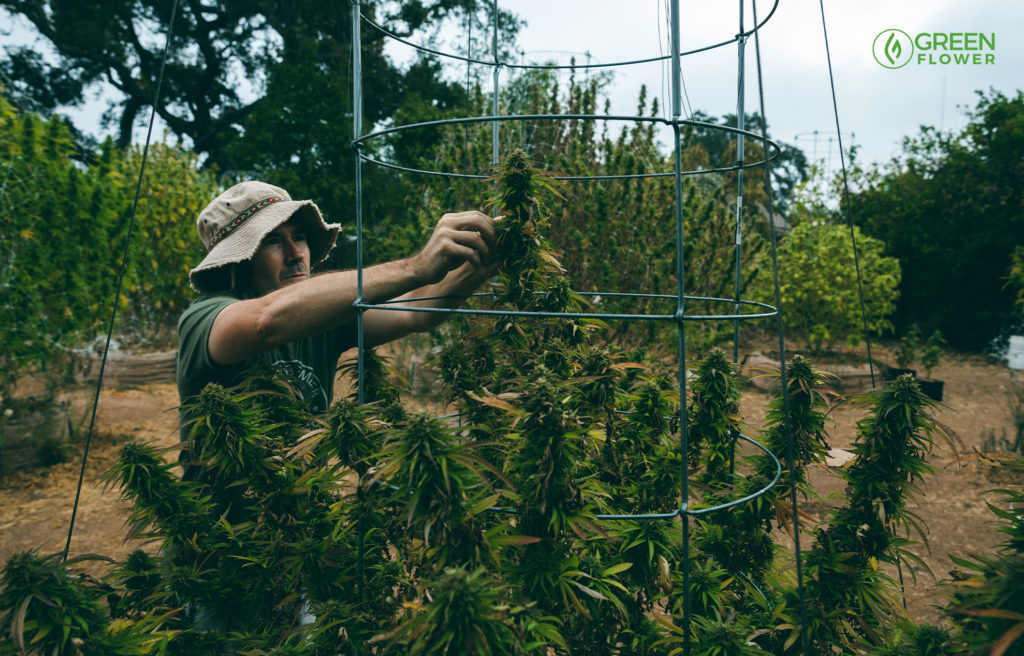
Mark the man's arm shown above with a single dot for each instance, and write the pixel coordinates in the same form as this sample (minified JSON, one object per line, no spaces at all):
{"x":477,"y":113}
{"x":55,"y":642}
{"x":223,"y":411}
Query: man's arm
{"x":382,"y":326}
{"x":454,"y":261}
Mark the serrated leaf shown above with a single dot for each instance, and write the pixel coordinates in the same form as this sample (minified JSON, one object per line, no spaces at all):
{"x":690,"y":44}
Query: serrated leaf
{"x":512,"y":540}
{"x":995,"y":612}
{"x":615,"y":569}
{"x":1007,"y":639}
{"x":492,"y":401}
{"x":484,"y":504}
{"x":589,"y":591}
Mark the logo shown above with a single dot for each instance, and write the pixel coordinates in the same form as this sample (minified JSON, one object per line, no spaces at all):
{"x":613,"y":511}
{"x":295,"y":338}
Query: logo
{"x":893,"y":48}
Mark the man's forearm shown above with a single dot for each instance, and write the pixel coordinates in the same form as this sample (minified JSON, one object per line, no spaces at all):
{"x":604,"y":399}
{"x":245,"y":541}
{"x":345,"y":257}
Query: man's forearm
{"x":451,"y":292}
{"x":326,"y":301}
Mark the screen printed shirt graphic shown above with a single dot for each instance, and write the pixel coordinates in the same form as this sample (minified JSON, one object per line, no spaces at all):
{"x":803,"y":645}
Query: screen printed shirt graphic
{"x":310,"y":362}
{"x":309,"y":386}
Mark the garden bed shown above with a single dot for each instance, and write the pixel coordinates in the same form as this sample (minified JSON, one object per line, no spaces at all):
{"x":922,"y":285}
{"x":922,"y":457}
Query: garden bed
{"x":38,"y":503}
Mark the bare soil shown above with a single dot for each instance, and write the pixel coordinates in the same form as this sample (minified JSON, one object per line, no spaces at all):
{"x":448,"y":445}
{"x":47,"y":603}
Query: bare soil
{"x":36,"y":504}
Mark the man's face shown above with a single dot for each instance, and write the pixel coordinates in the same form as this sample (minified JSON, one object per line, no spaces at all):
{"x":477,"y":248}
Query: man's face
{"x":282,"y":258}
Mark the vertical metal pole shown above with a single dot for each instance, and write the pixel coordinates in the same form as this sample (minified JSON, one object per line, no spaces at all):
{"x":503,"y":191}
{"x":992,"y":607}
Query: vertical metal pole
{"x":741,"y":115}
{"x":680,"y":324}
{"x":469,"y":101}
{"x":497,"y":69}
{"x":357,"y":128}
{"x":783,"y":377}
{"x":741,"y":44}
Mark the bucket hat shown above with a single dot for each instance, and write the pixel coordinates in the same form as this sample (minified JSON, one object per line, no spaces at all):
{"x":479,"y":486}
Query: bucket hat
{"x":233,"y":225}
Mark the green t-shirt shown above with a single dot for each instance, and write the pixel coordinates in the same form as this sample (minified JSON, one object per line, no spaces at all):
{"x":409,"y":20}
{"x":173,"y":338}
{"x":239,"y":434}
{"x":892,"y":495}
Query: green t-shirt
{"x":312,"y":361}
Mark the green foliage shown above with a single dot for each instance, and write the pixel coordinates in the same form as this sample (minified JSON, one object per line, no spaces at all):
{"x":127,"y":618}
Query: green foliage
{"x":49,"y":610}
{"x":1015,"y":279}
{"x":849,"y":597}
{"x":62,"y":232}
{"x":293,"y":124}
{"x":908,"y":347}
{"x":714,"y":418}
{"x":923,"y":640}
{"x":380,"y":531}
{"x":932,"y":353}
{"x":471,"y":613}
{"x":800,"y":423}
{"x":601,"y":232}
{"x":986,"y":593}
{"x":949,"y":208}
{"x":1014,"y":443}
{"x":818,"y":284}
{"x":989,"y":595}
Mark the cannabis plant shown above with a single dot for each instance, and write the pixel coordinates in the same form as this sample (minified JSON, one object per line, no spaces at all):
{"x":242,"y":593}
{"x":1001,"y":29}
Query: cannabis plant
{"x":849,"y":596}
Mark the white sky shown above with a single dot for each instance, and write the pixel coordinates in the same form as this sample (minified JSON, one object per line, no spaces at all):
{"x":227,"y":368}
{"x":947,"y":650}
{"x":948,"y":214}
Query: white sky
{"x":877,"y":106}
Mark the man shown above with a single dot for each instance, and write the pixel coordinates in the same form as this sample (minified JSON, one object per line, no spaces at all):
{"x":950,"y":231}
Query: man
{"x":260,"y":302}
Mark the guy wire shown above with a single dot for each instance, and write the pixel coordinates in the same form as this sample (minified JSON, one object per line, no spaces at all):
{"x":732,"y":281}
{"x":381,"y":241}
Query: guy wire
{"x":120,"y":278}
{"x":853,"y":239}
{"x":782,"y":344}
{"x":846,"y":198}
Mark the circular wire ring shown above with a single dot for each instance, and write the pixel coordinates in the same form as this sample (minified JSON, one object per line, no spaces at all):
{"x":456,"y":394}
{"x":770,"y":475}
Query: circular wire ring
{"x":773,"y":147}
{"x":399,"y":305}
{"x":448,"y":55}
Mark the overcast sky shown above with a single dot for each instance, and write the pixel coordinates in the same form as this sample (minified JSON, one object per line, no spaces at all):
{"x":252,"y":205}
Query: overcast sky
{"x":877,"y":106}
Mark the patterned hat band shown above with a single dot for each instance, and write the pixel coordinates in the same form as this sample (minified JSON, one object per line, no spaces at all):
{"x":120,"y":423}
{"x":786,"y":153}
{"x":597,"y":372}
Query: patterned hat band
{"x":242,"y":217}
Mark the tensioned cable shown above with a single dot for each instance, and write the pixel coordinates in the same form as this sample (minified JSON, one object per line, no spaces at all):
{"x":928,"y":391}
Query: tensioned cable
{"x":120,"y":277}
{"x":853,"y":240}
{"x":687,"y":106}
{"x":782,"y":345}
{"x":846,"y":198}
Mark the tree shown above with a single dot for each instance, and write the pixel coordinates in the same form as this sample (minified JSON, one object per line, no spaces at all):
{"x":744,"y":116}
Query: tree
{"x":217,"y":50}
{"x":255,"y":88}
{"x":62,"y":232}
{"x":818,"y":284}
{"x":1015,"y":279}
{"x":951,"y":209}
{"x":789,"y":169}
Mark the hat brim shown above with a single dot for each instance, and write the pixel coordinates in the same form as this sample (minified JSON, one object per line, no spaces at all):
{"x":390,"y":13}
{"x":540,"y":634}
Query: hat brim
{"x":242,"y":244}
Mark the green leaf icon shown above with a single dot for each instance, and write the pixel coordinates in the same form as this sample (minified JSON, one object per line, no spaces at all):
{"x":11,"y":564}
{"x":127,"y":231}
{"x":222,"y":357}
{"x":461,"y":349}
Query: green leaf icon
{"x":892,"y":47}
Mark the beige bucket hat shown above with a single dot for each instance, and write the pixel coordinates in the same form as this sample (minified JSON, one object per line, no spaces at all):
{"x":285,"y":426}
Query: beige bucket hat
{"x":233,"y":225}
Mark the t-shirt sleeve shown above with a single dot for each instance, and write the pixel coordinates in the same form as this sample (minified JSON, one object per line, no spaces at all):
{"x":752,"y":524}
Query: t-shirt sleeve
{"x":194,"y":361}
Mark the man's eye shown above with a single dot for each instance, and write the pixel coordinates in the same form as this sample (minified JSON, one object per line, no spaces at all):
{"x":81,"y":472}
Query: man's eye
{"x":298,"y":237}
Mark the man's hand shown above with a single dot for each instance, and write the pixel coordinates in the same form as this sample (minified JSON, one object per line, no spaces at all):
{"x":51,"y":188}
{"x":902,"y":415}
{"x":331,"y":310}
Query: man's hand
{"x":457,"y":238}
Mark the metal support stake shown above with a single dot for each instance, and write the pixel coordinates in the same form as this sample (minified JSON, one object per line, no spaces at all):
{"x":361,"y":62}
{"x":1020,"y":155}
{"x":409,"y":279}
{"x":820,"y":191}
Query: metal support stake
{"x":680,"y":324}
{"x":741,"y":48}
{"x":497,"y":70}
{"x":779,"y":324}
{"x":357,"y":128}
{"x":741,"y":45}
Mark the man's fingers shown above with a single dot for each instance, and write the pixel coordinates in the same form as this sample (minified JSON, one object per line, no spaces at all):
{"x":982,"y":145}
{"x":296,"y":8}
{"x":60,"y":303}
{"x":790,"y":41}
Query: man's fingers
{"x":462,"y":254}
{"x":474,"y":240}
{"x":473,"y":221}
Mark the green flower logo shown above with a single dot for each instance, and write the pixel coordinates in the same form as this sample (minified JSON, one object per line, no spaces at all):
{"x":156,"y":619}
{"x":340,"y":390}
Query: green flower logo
{"x":893,"y":48}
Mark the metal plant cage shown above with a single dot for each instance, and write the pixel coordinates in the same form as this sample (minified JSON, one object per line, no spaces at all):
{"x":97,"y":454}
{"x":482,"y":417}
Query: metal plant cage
{"x":734,"y":309}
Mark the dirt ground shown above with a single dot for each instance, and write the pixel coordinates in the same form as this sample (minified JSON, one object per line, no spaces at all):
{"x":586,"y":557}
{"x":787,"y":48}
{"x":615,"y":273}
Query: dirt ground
{"x":36,"y":504}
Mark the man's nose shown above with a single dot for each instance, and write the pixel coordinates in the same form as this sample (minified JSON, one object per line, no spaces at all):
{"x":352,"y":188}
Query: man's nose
{"x":293,"y":250}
